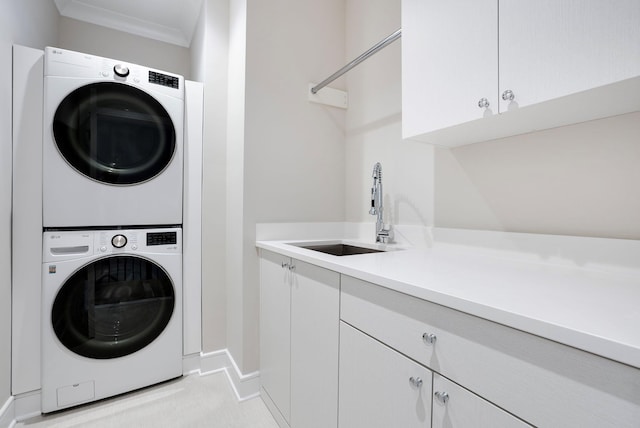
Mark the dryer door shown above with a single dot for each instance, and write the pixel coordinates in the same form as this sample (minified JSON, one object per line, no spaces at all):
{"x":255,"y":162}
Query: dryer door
{"x":113,"y":307}
{"x":114,"y":133}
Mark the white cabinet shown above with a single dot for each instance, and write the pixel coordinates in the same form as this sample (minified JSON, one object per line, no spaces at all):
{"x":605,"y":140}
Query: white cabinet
{"x":455,"y":407}
{"x":449,"y":62}
{"x":299,"y":335}
{"x":541,"y":382}
{"x":380,"y":387}
{"x":315,"y":306}
{"x":275,"y":338}
{"x":553,"y":48}
{"x":564,"y":61}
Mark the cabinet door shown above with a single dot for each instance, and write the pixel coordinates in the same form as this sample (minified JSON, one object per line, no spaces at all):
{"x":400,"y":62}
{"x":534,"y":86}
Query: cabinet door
{"x":455,"y":407}
{"x":380,"y":387}
{"x":315,"y":305}
{"x":552,"y":48}
{"x":449,"y":63}
{"x":275,"y":324}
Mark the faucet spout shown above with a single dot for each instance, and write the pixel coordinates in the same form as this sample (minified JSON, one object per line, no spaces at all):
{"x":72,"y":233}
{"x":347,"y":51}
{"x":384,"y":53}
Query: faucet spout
{"x":382,"y":234}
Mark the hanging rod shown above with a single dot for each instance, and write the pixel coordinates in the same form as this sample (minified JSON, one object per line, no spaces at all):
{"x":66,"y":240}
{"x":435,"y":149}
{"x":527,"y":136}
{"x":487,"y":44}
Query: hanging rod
{"x":380,"y":45}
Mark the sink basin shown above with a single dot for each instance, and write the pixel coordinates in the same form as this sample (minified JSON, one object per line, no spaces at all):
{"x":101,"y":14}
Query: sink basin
{"x":340,"y":249}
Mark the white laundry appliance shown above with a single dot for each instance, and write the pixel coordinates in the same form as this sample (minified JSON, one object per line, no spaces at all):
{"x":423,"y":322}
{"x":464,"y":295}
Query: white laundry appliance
{"x":112,"y":143}
{"x":112,"y":313}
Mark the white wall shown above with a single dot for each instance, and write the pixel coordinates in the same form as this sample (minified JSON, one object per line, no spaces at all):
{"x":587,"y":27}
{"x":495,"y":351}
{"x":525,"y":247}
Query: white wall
{"x":579,"y":180}
{"x":102,"y":41}
{"x":286,"y":155}
{"x":373,"y":131}
{"x":30,"y":23}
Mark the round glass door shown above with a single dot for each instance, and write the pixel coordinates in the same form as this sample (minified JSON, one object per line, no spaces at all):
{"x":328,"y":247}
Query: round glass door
{"x":113,"y":307}
{"x":114,"y":133}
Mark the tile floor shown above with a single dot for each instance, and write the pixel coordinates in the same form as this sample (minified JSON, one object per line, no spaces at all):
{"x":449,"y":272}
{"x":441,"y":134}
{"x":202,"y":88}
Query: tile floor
{"x":189,"y":402}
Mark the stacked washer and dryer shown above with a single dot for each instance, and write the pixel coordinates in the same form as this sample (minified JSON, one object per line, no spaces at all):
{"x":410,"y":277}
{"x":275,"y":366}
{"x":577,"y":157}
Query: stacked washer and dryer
{"x":112,"y":240}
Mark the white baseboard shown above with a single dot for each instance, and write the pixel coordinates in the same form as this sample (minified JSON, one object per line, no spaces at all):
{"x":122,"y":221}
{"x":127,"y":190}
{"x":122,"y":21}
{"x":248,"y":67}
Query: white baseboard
{"x":7,"y":414}
{"x":275,"y":412}
{"x":245,"y":386}
{"x":191,"y":364}
{"x":27,"y":405}
{"x":19,"y":408}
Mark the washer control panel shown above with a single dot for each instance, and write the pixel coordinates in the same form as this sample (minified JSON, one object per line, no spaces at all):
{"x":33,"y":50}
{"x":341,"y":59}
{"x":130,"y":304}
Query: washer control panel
{"x":66,"y":245}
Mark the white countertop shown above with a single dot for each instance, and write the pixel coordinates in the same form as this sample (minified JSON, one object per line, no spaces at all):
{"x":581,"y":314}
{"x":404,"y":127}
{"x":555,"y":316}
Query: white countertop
{"x":592,"y":310}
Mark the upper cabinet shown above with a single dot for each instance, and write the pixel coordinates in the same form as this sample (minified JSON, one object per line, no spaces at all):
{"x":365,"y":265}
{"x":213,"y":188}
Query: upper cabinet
{"x":475,"y":70}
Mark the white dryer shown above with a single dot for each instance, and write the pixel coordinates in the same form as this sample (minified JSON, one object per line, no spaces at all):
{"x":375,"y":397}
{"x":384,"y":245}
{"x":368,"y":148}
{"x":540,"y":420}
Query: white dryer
{"x":112,"y":313}
{"x":112,"y":144}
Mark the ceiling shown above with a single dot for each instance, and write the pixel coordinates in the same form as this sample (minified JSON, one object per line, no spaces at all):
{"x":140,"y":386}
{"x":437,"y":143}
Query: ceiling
{"x":168,"y":21}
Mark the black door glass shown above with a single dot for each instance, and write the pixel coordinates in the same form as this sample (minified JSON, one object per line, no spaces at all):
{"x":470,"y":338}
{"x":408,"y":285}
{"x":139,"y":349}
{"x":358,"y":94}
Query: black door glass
{"x":113,"y":307}
{"x":114,"y":133}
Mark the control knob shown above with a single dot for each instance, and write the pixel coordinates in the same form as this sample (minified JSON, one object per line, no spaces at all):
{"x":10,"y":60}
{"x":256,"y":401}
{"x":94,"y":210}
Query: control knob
{"x":121,"y":70}
{"x":119,"y":241}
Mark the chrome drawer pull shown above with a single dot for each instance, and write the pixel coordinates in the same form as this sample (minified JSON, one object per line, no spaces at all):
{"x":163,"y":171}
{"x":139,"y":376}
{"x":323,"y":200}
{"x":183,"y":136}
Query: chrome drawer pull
{"x":429,"y":338}
{"x":508,"y":95}
{"x":442,"y":397}
{"x":415,"y":381}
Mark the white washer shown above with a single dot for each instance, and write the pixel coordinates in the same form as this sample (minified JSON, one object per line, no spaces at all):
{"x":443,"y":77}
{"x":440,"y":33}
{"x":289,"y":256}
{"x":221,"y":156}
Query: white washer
{"x":112,"y":313}
{"x":112,"y":143}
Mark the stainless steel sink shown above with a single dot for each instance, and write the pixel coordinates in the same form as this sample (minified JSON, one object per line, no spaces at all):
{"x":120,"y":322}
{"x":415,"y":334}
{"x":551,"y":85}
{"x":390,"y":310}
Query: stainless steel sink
{"x":340,"y":249}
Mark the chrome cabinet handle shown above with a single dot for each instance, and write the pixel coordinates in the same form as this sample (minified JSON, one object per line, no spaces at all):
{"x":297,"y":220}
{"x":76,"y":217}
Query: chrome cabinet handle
{"x":415,"y":381}
{"x":442,"y":397}
{"x":429,"y":338}
{"x":483,"y":103}
{"x":289,"y":266}
{"x":508,"y":95}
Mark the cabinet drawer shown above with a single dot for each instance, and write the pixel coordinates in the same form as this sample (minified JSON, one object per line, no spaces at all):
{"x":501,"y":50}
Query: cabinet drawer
{"x":540,"y":381}
{"x":379,"y":387}
{"x":455,"y":407}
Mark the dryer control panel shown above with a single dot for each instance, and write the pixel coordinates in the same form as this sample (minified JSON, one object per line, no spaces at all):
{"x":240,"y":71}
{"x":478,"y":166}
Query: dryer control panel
{"x":65,"y":63}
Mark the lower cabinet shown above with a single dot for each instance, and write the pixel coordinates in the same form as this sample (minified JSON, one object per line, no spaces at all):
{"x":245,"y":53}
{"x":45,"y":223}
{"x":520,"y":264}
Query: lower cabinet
{"x":490,"y":371}
{"x":380,"y":387}
{"x":455,"y":407}
{"x":275,"y":337}
{"x":337,"y":351}
{"x":315,"y":314}
{"x":299,"y":324}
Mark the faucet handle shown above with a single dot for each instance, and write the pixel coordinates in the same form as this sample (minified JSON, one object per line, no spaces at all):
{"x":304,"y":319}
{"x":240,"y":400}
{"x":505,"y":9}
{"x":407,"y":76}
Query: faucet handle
{"x":372,"y":210}
{"x":384,"y":235}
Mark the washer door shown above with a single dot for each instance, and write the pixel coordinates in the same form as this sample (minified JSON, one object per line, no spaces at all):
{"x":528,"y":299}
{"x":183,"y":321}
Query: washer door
{"x":114,"y":133}
{"x":113,"y":307}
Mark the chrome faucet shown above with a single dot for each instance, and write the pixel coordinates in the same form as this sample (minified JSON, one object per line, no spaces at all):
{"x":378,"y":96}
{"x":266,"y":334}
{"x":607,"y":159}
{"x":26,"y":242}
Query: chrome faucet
{"x":382,"y":234}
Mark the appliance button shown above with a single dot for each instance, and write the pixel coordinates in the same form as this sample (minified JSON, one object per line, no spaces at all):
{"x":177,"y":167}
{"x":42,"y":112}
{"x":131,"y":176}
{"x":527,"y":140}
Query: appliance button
{"x":103,"y":248}
{"x":134,"y":247}
{"x":105,"y":74}
{"x":119,"y":241}
{"x":121,"y":70}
